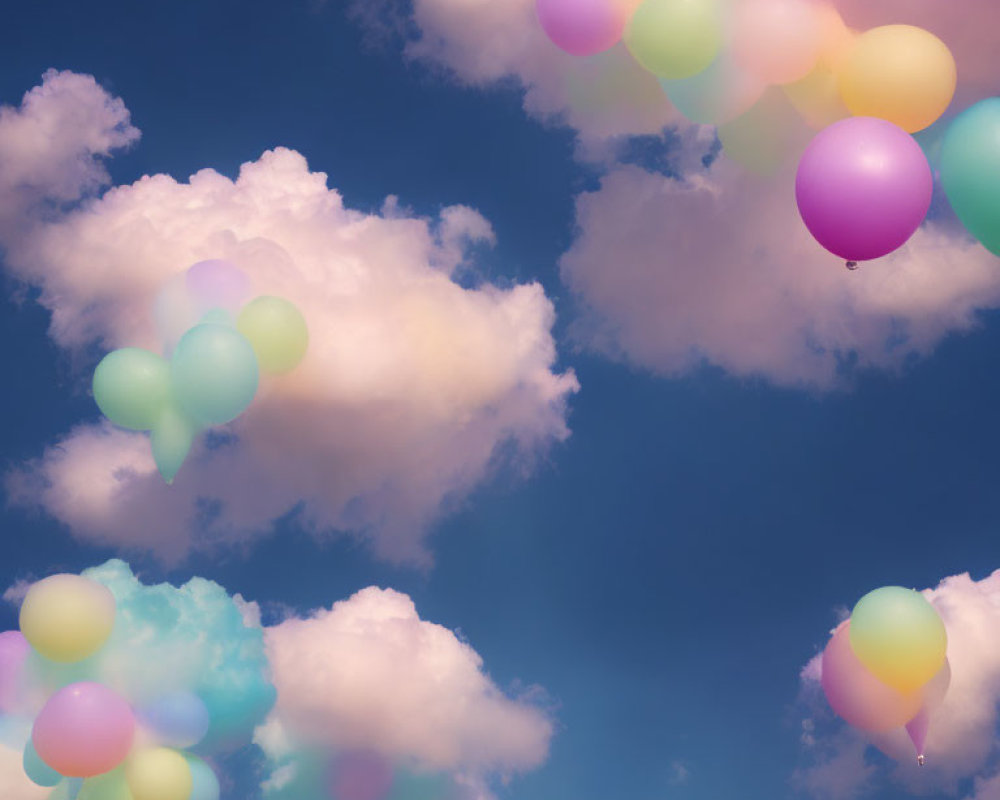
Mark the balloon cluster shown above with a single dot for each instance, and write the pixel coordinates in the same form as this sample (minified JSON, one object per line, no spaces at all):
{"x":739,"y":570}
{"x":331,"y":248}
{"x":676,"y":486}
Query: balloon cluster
{"x":75,"y":684}
{"x":219,"y":345}
{"x":863,"y":184}
{"x":886,"y":667}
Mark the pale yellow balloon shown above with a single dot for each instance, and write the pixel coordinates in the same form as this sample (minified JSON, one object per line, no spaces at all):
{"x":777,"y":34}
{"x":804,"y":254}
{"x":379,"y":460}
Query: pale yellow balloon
{"x":67,"y":617}
{"x":900,"y":73}
{"x":158,"y":774}
{"x":277,"y":332}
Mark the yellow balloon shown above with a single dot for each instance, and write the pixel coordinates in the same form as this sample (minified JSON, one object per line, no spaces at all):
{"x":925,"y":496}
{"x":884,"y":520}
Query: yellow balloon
{"x":158,"y":774}
{"x":277,"y":332}
{"x":900,"y":73}
{"x":67,"y":617}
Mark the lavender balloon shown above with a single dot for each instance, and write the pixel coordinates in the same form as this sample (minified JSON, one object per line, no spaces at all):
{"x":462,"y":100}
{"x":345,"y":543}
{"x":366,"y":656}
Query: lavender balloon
{"x":14,"y":649}
{"x":863,"y":187}
{"x":582,"y":27}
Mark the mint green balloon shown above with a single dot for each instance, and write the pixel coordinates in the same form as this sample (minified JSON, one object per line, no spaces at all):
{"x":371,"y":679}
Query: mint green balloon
{"x":132,"y":387}
{"x":172,"y":437}
{"x":214,"y":371}
{"x":970,"y":170}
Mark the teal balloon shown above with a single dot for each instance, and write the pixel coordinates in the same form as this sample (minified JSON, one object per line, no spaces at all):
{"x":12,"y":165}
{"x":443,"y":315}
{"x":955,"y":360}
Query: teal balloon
{"x":67,"y":790}
{"x":37,"y":770}
{"x":218,"y":316}
{"x":172,"y":438}
{"x":214,"y":373}
{"x":131,"y":387}
{"x":970,"y":170}
{"x":204,"y":783}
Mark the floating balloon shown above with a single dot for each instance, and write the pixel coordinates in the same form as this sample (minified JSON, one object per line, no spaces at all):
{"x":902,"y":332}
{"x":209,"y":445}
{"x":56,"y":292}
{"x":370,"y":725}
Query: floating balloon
{"x":779,"y":41}
{"x":109,"y":786}
{"x":899,"y":73}
{"x":177,"y":719}
{"x":760,"y":139}
{"x":84,"y":729}
{"x":675,"y":38}
{"x":67,"y":617}
{"x":717,"y":95}
{"x":859,"y":697}
{"x":899,"y":637}
{"x":158,"y":774}
{"x":131,"y":387}
{"x":204,"y":783}
{"x":277,"y":332}
{"x":582,"y":27}
{"x":970,"y":170}
{"x":863,"y":187}
{"x":37,"y":770}
{"x":171,"y":439}
{"x":14,"y":649}
{"x":69,"y":789}
{"x":217,"y":284}
{"x":214,"y":372}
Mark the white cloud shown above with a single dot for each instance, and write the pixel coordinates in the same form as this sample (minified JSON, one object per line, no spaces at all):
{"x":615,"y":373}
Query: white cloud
{"x":14,"y":784}
{"x":369,"y":674}
{"x":962,"y":742}
{"x":412,"y":388}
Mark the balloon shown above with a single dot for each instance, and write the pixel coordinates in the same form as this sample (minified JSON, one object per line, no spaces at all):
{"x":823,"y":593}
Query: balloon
{"x":158,"y":774}
{"x":761,"y":139}
{"x":172,"y":438}
{"x":84,"y":729}
{"x":214,"y":373}
{"x":675,"y":38}
{"x":68,"y":789}
{"x":858,"y":696}
{"x":360,"y":776}
{"x":897,"y":634}
{"x":204,"y":783}
{"x":863,"y":187}
{"x":178,"y":719}
{"x":970,"y":170}
{"x":933,"y":694}
{"x":779,"y":41}
{"x":37,"y":770}
{"x":67,"y":617}
{"x":582,"y":27}
{"x":899,"y":73}
{"x":277,"y":332}
{"x":131,"y":387}
{"x":715,"y":96}
{"x":217,"y":284}
{"x":14,"y":648}
{"x":109,"y":786}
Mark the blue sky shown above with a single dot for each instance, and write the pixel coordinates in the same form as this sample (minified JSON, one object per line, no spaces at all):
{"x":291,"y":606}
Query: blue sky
{"x":667,"y":570}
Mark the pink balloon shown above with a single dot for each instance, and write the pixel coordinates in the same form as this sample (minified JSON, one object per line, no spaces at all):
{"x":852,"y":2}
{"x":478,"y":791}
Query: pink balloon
{"x":858,"y":696}
{"x":85,"y":729}
{"x":360,"y":776}
{"x":933,"y":694}
{"x":863,"y":187}
{"x":14,"y":648}
{"x":582,"y":27}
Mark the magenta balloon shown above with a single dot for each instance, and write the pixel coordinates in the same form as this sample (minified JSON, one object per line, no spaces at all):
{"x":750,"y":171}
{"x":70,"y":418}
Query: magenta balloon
{"x":14,"y":648}
{"x":582,"y":27}
{"x":85,"y":729}
{"x":863,"y":187}
{"x":857,"y":695}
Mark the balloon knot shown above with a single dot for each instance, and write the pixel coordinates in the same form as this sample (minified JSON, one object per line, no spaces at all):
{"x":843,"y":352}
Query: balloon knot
{"x":852,"y":265}
{"x":920,"y":759}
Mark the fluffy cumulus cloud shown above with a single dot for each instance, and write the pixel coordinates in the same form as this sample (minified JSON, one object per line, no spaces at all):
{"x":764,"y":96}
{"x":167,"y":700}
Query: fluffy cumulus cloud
{"x":962,"y":743}
{"x":411,"y":388}
{"x":368,"y":682}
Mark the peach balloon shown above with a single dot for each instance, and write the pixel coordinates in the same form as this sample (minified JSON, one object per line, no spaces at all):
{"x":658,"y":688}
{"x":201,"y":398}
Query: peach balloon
{"x":779,"y":41}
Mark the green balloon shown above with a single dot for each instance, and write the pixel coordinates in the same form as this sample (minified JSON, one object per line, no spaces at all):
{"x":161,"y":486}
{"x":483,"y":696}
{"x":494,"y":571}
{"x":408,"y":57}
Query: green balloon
{"x":172,"y":437}
{"x":214,"y":373}
{"x":131,"y":387}
{"x":675,"y":38}
{"x":109,"y":786}
{"x":970,"y":170}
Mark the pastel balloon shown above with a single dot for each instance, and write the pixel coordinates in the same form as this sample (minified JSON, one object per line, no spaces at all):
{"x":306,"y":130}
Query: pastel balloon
{"x":171,"y":439}
{"x":217,"y":284}
{"x":779,"y":41}
{"x":761,"y":139}
{"x":84,"y":729}
{"x":970,"y":170}
{"x":68,"y":789}
{"x":859,"y":697}
{"x":277,"y":332}
{"x":158,"y":774}
{"x":717,"y":95}
{"x":897,"y":634}
{"x":131,"y":387}
{"x":37,"y":770}
{"x":582,"y":27}
{"x":14,"y":649}
{"x":675,"y":38}
{"x":899,"y":73}
{"x":177,"y":719}
{"x":109,"y":786}
{"x":204,"y":783}
{"x":863,"y":187}
{"x":933,"y":694}
{"x":67,"y":617}
{"x":214,"y":372}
